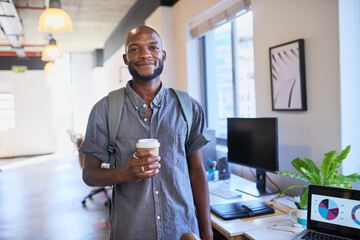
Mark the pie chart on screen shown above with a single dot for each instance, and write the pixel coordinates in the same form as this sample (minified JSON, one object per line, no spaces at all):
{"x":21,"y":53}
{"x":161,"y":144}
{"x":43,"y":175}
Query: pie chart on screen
{"x":328,"y":209}
{"x":353,"y":214}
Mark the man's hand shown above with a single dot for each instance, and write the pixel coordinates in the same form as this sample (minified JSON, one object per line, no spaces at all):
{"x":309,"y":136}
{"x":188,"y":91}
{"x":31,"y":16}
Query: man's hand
{"x":141,"y":165}
{"x":133,"y":171}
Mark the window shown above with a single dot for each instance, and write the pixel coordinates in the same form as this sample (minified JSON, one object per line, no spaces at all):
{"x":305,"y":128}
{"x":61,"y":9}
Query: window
{"x":229,"y":72}
{"x":7,"y":107}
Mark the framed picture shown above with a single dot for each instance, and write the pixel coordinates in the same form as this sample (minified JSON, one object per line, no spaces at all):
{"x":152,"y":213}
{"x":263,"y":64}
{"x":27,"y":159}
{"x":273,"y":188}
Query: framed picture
{"x":287,"y":70}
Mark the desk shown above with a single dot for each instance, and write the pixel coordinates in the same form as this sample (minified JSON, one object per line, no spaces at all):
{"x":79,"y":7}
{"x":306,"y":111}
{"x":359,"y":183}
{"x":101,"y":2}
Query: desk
{"x":246,"y":228}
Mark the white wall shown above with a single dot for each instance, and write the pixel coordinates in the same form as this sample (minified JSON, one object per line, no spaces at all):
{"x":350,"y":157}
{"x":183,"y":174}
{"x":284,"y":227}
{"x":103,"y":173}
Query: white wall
{"x":166,"y":31}
{"x":82,"y":84}
{"x":116,"y":72}
{"x":34,"y":132}
{"x":349,"y":25}
{"x":312,"y":133}
{"x":317,"y":130}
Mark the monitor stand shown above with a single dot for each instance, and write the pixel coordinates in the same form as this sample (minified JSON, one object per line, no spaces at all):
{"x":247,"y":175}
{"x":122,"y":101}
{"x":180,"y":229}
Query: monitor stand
{"x":259,"y":188}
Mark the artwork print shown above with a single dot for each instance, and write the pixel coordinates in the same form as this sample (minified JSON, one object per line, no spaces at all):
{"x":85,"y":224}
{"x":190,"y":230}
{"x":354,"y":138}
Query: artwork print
{"x":288,"y":76}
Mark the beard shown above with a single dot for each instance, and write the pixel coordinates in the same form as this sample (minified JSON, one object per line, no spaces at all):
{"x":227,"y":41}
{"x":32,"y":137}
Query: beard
{"x":137,"y":75}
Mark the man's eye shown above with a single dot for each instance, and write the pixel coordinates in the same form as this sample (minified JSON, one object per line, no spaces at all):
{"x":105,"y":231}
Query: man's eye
{"x":133,"y":50}
{"x":154,"y":48}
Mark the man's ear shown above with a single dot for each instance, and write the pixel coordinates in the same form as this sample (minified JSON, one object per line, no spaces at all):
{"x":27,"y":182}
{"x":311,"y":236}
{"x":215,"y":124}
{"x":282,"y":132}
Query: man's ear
{"x":164,"y":55}
{"x":125,"y":59}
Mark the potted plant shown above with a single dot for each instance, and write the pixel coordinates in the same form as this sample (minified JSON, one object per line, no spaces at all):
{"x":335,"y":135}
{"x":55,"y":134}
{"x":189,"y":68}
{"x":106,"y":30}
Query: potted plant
{"x":326,"y":175}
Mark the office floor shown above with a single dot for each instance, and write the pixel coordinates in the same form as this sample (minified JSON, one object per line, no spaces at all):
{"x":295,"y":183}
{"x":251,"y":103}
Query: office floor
{"x":40,"y":198}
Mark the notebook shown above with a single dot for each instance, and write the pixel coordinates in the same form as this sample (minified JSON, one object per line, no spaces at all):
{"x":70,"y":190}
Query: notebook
{"x":332,"y":211}
{"x":241,"y":209}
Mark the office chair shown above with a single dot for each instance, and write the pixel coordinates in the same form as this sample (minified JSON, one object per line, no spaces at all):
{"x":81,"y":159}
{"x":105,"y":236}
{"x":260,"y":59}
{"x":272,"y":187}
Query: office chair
{"x":77,"y":139}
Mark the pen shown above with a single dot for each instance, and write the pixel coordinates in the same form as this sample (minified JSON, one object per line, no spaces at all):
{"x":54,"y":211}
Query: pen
{"x":298,"y":205}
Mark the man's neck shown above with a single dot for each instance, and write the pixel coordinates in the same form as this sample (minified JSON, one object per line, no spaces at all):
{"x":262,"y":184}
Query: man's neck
{"x":146,"y":90}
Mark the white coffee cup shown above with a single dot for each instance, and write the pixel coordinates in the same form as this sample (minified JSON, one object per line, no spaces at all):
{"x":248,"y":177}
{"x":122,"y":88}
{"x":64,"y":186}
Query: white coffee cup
{"x":298,"y":216}
{"x":148,"y":144}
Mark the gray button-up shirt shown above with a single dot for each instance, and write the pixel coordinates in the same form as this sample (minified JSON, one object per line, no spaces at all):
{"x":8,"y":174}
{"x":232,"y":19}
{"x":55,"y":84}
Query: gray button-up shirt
{"x":160,"y":207}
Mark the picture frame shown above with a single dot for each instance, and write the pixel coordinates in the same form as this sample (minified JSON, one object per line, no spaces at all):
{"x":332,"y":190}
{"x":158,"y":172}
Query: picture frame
{"x":287,"y":74}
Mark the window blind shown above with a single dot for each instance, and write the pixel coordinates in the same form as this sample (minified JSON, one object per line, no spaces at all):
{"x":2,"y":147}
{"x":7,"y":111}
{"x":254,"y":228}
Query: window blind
{"x":220,"y":14}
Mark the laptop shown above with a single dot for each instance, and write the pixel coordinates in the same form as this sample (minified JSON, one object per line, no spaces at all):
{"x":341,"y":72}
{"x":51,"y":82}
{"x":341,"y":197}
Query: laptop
{"x":332,"y":212}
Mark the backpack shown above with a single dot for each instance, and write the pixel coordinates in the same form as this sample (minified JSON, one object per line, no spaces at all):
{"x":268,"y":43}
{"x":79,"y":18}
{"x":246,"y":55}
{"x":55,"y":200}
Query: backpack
{"x":116,"y":102}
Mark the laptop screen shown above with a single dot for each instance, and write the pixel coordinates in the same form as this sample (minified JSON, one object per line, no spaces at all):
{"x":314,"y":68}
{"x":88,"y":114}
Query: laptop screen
{"x":334,"y":210}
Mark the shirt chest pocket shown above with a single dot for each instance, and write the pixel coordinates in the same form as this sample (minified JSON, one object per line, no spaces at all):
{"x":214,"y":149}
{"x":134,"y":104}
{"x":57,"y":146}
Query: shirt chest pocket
{"x":180,"y":159}
{"x":172,"y":150}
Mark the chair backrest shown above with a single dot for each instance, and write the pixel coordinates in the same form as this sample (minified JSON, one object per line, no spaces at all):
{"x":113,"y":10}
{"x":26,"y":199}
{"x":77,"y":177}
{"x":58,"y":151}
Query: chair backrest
{"x":77,"y":139}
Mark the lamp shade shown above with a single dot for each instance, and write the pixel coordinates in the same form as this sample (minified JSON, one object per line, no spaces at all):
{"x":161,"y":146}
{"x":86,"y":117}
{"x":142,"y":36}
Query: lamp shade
{"x":55,"y":20}
{"x":51,"y":52}
{"x":51,"y":67}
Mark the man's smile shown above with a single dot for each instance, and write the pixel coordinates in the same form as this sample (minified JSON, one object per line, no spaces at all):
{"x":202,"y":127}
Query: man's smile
{"x":145,"y":64}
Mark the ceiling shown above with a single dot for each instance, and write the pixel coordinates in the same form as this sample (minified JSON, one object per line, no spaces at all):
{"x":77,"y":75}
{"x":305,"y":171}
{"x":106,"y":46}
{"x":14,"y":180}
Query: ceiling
{"x":93,"y":22}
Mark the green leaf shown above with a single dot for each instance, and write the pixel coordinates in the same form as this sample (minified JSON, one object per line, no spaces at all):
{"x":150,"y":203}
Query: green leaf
{"x":349,"y":178}
{"x":293,"y":175}
{"x":336,"y":164}
{"x":288,"y":188}
{"x":341,"y":184}
{"x":325,"y":166}
{"x":304,"y":198}
{"x":314,"y":170}
{"x":339,"y":159}
{"x":302,"y":167}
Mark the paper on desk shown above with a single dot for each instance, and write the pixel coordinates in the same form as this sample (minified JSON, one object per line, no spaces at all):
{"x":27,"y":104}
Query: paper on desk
{"x":225,"y":193}
{"x":288,"y":201}
{"x":267,"y":233}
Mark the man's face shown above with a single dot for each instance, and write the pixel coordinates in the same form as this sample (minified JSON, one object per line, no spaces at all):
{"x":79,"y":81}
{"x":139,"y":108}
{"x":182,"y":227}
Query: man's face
{"x":144,"y":54}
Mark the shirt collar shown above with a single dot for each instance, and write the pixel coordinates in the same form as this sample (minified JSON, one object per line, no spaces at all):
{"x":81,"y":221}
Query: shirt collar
{"x":138,"y":102}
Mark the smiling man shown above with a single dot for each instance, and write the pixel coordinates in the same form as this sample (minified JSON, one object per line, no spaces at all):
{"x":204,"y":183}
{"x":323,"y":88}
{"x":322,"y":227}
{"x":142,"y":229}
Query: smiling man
{"x":151,"y":64}
{"x":159,"y":204}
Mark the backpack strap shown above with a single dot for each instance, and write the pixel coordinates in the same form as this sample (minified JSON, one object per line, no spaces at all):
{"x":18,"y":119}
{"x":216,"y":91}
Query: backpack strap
{"x":186,"y":108}
{"x":116,"y":102}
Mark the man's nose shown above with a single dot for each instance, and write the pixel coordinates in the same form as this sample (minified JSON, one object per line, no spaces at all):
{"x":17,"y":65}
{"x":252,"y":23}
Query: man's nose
{"x":145,"y":53}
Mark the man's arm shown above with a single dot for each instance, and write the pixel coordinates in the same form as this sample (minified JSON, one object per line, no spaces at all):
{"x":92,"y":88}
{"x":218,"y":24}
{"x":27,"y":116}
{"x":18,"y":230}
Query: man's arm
{"x":200,"y":192}
{"x":95,"y":175}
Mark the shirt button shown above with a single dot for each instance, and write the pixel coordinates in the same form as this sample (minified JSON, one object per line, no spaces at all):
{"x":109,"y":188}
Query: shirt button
{"x":145,"y":119}
{"x":159,"y":105}
{"x":144,"y":105}
{"x":156,"y":192}
{"x":158,"y":217}
{"x":136,"y":107}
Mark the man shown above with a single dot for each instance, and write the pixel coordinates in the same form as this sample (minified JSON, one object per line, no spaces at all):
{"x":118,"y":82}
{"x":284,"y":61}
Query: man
{"x":159,"y":204}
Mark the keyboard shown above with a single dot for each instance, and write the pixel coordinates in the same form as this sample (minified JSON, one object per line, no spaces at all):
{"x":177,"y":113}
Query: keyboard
{"x":241,"y":209}
{"x":225,"y":193}
{"x":320,"y":236}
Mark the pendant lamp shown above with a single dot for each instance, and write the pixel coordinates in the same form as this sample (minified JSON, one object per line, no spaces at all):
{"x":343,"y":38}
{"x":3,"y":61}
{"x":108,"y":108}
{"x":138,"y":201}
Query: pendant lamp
{"x":51,"y":51}
{"x":54,"y":19}
{"x":51,"y":67}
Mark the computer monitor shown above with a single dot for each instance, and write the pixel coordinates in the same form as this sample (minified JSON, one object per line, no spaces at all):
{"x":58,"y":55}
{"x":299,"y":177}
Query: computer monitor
{"x":253,"y":142}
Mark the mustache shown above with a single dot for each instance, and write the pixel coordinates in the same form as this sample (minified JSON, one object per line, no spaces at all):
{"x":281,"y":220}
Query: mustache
{"x":145,"y":63}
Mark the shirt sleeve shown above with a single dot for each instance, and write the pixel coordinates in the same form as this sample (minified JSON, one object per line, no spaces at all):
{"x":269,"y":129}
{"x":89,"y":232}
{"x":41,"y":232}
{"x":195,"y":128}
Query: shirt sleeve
{"x":97,"y":134}
{"x":198,"y":137}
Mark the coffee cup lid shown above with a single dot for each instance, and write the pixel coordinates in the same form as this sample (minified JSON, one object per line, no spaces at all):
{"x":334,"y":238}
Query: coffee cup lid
{"x":147,"y":143}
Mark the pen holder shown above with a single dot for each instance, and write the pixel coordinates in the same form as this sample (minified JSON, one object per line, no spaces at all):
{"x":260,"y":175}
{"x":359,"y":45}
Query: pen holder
{"x":212,"y":175}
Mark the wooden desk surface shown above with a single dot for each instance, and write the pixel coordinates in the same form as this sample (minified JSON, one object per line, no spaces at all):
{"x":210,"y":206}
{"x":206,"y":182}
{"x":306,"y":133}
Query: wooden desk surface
{"x":235,"y":229}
